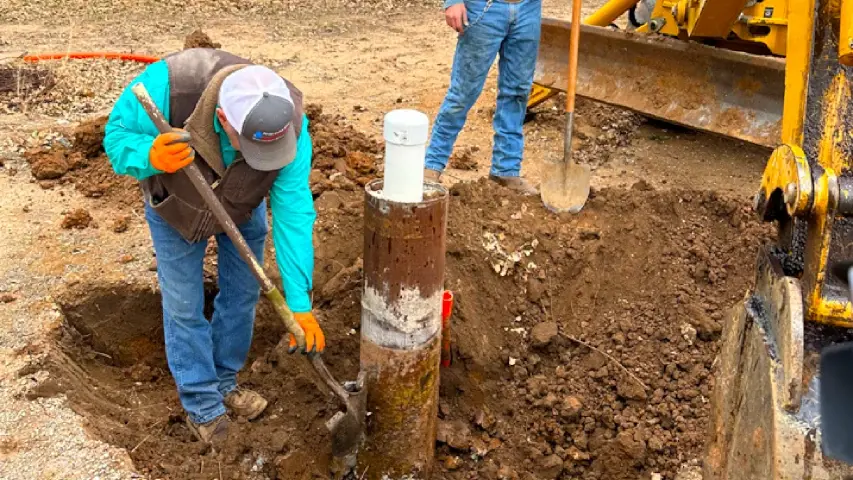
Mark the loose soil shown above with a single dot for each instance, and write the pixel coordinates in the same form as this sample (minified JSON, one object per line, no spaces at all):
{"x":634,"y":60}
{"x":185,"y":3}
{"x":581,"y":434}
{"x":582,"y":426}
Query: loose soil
{"x":583,"y":345}
{"x":84,"y":164}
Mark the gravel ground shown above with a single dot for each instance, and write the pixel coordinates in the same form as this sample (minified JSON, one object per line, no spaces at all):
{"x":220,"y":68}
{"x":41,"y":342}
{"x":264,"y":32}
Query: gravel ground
{"x":81,"y":88}
{"x":44,"y":438}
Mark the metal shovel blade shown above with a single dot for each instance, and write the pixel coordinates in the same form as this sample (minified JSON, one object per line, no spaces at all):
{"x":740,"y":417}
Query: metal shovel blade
{"x":565,"y":187}
{"x":347,"y":426}
{"x":836,"y":389}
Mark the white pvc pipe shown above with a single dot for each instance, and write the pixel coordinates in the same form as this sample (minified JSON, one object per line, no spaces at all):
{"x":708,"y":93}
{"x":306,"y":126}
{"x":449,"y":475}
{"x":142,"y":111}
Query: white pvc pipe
{"x":405,"y":133}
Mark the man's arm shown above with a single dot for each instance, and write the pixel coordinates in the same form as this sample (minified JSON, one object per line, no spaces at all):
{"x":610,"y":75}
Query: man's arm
{"x":129,"y":133}
{"x":293,"y":218}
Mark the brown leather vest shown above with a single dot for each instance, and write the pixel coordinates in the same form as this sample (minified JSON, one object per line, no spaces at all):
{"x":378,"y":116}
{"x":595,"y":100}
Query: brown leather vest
{"x":195,"y":76}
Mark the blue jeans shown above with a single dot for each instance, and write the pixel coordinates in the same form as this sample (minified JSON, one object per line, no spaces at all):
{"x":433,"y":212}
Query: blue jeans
{"x":510,"y":30}
{"x":205,"y":356}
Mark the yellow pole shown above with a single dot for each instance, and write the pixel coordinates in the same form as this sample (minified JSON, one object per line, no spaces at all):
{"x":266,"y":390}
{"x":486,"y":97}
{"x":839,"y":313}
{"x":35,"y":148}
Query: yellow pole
{"x":845,"y":39}
{"x":611,"y":10}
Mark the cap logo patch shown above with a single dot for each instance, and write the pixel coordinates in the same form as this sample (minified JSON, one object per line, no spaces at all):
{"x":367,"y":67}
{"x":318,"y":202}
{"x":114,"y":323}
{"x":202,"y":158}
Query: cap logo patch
{"x":270,"y":136}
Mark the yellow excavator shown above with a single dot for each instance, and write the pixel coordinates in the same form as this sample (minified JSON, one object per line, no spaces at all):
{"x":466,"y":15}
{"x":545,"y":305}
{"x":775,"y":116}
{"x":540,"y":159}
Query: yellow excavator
{"x":777,"y":73}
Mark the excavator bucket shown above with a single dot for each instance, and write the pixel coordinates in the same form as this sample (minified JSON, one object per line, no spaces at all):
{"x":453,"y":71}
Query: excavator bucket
{"x":765,"y":412}
{"x":721,"y":91}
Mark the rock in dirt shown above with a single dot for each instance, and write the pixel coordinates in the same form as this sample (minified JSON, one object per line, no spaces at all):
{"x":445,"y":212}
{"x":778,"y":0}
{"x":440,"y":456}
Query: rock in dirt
{"x":484,"y":419}
{"x":633,"y":446}
{"x":79,"y":219}
{"x":507,"y":473}
{"x":199,"y":39}
{"x":456,"y":434}
{"x":543,"y":333}
{"x":706,"y":328}
{"x":628,"y":388}
{"x":8,"y":297}
{"x":452,"y":462}
{"x":535,"y":289}
{"x":121,"y":224}
{"x":689,"y":473}
{"x":571,"y":408}
{"x":550,"y":467}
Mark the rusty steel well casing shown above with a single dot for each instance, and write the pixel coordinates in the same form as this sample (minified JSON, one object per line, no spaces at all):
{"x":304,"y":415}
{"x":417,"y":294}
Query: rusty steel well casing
{"x":404,"y":247}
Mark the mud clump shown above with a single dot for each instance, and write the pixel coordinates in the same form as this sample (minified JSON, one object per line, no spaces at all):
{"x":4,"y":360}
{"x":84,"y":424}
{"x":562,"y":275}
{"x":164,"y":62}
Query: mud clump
{"x":199,"y":39}
{"x":79,"y":219}
{"x":85,"y":165}
{"x":121,"y":224}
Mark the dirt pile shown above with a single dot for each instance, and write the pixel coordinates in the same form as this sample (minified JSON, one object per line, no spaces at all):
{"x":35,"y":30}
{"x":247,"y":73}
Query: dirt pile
{"x":344,"y":158}
{"x":84,"y":164}
{"x":199,"y":39}
{"x":583,"y":345}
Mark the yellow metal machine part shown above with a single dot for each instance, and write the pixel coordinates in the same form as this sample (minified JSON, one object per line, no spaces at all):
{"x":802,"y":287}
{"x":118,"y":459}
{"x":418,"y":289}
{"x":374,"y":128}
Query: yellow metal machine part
{"x":726,"y":25}
{"x":702,"y":87}
{"x":765,"y":410}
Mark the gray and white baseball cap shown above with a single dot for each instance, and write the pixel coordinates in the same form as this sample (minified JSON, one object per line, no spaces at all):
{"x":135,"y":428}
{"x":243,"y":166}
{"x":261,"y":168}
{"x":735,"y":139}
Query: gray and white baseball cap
{"x":257,"y":103}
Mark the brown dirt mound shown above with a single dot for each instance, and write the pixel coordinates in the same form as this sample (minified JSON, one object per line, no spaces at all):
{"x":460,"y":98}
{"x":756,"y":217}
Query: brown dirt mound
{"x":641,"y":275}
{"x":199,"y":39}
{"x":85,"y":165}
{"x":344,"y":157}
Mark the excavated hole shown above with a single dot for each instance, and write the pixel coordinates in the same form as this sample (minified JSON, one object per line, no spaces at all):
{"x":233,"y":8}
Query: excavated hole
{"x":110,"y":361}
{"x":643,"y":275}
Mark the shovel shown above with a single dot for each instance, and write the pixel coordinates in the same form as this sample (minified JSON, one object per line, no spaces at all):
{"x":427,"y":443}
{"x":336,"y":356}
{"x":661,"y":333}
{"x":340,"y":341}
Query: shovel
{"x":347,"y":427}
{"x":565,"y":184}
{"x":836,"y":389}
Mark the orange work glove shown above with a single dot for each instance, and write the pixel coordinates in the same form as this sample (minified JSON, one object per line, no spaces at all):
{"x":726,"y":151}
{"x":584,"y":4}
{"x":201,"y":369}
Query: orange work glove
{"x":314,"y":339}
{"x":171,"y":151}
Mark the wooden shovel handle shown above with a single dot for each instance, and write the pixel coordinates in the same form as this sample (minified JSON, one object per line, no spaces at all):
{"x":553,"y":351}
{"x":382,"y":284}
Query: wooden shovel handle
{"x":206,"y":192}
{"x":574,"y":40}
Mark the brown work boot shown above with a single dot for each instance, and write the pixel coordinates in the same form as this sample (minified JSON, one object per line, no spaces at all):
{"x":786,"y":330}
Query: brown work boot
{"x":518,"y":184}
{"x":432,"y":175}
{"x":213,"y":433}
{"x":245,"y":403}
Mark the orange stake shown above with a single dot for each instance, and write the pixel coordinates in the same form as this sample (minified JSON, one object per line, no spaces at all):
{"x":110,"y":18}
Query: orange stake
{"x":446,"y":309}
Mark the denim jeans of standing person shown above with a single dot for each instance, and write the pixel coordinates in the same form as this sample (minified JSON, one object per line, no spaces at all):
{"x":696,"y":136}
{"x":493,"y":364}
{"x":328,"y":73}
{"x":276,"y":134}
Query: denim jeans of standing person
{"x":205,"y":356}
{"x":497,"y":28}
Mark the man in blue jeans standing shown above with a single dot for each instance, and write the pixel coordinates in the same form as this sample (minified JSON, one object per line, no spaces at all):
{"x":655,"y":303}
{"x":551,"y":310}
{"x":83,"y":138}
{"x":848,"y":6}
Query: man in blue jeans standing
{"x":489,"y":28}
{"x":244,"y":128}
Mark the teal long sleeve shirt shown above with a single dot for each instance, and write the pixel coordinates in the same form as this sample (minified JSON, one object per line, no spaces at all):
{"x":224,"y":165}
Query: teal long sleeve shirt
{"x":129,"y":134}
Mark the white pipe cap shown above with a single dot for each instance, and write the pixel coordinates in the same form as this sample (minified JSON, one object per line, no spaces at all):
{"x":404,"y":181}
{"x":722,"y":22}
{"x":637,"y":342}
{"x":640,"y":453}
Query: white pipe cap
{"x":406,"y":127}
